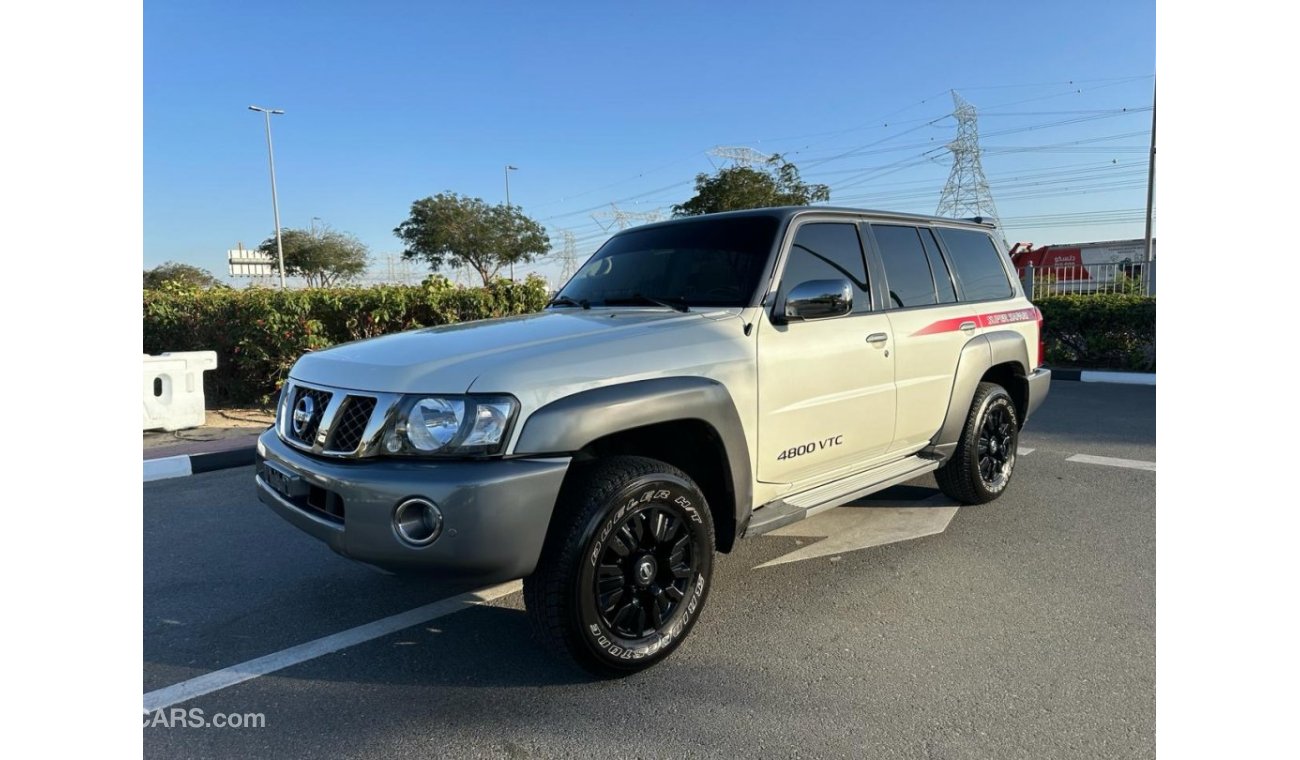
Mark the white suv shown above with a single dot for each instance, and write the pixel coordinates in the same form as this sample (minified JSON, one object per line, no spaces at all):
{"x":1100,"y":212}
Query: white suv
{"x":697,"y":381}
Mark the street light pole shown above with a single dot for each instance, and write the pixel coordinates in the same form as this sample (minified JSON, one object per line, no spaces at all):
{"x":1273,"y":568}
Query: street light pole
{"x":275,"y":201}
{"x":509,"y":169}
{"x":1151,"y":176}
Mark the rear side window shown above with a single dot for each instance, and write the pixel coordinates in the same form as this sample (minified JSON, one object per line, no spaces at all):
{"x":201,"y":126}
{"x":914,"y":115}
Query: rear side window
{"x":907,"y":269}
{"x":977,"y":264}
{"x":827,"y":251}
{"x":942,"y":277}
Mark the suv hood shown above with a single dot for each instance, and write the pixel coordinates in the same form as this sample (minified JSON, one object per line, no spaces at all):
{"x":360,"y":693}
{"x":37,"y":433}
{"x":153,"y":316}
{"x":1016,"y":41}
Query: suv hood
{"x":448,"y":358}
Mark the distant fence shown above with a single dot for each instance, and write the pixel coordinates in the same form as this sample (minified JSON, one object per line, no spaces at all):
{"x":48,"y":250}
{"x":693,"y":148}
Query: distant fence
{"x":1090,"y":279}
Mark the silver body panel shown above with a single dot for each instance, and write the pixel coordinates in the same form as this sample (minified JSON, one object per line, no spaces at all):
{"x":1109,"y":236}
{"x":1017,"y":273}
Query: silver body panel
{"x":763,"y":385}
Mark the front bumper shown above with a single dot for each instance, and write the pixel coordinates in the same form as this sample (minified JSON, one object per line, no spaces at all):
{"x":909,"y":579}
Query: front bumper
{"x":495,"y":512}
{"x":1039,"y":383}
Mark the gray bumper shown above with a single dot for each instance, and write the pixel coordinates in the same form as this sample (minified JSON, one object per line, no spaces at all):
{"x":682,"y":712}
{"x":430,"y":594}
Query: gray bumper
{"x":495,"y":512}
{"x":1039,"y":382}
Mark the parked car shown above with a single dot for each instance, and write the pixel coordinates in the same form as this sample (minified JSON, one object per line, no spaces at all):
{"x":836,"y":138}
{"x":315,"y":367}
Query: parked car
{"x":696,"y":382}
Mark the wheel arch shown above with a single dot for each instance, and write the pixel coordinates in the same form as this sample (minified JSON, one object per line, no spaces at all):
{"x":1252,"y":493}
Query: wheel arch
{"x":1000,"y":356}
{"x":688,"y":422}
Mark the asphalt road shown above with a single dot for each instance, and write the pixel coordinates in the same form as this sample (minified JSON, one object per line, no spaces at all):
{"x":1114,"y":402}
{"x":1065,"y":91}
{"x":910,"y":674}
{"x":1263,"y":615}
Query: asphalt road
{"x":1026,"y":629}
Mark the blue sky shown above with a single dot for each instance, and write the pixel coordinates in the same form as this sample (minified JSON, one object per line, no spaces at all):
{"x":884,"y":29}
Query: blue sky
{"x":596,"y":102}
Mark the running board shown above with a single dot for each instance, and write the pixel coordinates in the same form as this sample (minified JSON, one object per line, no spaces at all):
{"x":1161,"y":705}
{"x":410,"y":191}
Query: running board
{"x":805,"y":504}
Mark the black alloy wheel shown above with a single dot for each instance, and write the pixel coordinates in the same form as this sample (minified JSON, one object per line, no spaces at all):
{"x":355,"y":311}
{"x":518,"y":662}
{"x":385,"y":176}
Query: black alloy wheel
{"x":996,"y":446}
{"x":644,"y":572}
{"x":626,"y":566}
{"x":981,"y":466}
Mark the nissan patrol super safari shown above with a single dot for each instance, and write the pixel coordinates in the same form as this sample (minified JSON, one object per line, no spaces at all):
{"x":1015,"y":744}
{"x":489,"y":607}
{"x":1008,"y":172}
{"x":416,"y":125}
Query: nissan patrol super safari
{"x":697,"y":381}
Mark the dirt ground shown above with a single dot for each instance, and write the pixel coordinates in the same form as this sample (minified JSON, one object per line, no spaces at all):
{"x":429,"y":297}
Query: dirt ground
{"x":220,"y":424}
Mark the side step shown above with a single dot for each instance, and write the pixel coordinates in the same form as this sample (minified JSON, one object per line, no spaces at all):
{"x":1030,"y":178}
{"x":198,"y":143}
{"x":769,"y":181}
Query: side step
{"x":805,"y":504}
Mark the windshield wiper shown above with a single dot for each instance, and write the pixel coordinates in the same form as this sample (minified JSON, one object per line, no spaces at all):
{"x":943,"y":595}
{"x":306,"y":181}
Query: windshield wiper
{"x":679,"y":306}
{"x":567,"y":301}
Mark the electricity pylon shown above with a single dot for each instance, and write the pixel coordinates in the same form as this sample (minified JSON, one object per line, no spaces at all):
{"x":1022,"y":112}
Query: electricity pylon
{"x":740,"y":155}
{"x":617,"y":217}
{"x":568,"y":257}
{"x":967,"y":192}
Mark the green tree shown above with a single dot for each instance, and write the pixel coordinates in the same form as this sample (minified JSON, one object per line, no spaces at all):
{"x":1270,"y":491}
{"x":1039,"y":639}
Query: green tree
{"x":186,"y":275}
{"x":776,"y":183}
{"x":322,"y":257}
{"x":452,"y":230}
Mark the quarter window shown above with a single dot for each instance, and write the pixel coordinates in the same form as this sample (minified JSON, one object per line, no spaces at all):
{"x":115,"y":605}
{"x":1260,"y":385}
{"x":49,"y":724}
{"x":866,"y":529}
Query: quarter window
{"x":942,"y":277}
{"x":977,"y":263}
{"x":906,"y":268}
{"x":827,"y":251}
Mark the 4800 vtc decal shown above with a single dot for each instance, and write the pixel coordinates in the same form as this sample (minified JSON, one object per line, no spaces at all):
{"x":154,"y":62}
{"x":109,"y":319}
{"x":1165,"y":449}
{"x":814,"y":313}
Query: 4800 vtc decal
{"x":810,"y":447}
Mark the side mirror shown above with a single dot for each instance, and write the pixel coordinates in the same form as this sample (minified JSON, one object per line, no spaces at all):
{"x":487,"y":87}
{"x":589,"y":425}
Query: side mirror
{"x":817,"y":299}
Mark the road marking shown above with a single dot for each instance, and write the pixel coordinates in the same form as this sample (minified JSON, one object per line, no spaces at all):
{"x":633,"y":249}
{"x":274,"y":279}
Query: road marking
{"x":1132,"y":464}
{"x":220,"y":679}
{"x":862,"y":526}
{"x":166,"y":467}
{"x":1127,"y":378}
{"x":1024,"y":451}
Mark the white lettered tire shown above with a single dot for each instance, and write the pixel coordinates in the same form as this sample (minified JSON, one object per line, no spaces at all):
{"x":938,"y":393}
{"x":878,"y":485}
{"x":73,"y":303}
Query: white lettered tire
{"x":626,"y":567}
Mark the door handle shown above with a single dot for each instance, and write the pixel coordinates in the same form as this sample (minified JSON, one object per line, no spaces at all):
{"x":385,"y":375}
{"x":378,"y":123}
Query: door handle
{"x":967,"y":325}
{"x":877,"y":338}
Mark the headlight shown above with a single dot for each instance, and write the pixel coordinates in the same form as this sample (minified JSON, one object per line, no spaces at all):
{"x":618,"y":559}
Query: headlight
{"x":434,"y":422}
{"x":450,"y":425}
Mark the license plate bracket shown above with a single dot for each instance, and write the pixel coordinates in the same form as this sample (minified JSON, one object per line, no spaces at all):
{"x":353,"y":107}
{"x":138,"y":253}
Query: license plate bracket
{"x":283,"y":482}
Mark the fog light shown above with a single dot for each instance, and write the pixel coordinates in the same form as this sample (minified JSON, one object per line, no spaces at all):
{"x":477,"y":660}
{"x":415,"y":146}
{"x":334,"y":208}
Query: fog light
{"x":417,"y":522}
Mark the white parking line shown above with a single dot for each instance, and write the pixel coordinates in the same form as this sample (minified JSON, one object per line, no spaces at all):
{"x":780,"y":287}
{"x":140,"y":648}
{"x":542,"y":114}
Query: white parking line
{"x":220,"y":679}
{"x":1132,"y":464}
{"x":1024,"y":451}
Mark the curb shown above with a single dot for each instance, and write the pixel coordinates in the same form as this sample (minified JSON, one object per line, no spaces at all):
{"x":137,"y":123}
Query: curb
{"x":1104,"y":376}
{"x":192,"y":464}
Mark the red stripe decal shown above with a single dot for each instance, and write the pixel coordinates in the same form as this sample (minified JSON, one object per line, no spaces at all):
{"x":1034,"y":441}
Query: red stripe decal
{"x":992,"y":319}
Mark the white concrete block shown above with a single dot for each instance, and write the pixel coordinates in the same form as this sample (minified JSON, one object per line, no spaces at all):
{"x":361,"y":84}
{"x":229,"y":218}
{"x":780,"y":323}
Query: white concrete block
{"x":173,"y":389}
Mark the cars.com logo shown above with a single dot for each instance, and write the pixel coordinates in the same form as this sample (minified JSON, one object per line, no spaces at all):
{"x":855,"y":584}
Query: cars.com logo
{"x":179,"y":717}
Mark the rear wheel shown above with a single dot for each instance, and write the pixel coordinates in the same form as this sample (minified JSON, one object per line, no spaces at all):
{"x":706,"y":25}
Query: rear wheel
{"x":980,"y":469}
{"x":626,"y":567}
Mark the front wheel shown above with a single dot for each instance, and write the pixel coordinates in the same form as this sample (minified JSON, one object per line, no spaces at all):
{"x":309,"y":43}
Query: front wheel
{"x":980,"y":468}
{"x":626,"y":566}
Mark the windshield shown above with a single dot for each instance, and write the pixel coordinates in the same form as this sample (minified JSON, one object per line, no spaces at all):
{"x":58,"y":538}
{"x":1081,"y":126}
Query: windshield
{"x":713,"y":262}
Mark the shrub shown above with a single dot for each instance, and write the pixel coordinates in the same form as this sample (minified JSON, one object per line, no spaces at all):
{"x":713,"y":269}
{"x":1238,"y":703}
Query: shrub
{"x":259,"y":333}
{"x":1107,"y":331}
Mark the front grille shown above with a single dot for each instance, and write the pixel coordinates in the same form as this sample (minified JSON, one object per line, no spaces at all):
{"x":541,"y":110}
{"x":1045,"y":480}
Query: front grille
{"x":306,"y":433}
{"x":351,"y":423}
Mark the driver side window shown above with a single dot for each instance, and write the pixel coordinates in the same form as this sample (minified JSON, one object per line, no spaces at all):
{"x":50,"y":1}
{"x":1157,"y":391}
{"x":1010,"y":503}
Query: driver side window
{"x":827,"y":251}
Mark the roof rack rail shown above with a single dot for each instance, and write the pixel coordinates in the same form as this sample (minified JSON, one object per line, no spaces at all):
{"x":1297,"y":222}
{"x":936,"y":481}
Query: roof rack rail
{"x":981,"y":220}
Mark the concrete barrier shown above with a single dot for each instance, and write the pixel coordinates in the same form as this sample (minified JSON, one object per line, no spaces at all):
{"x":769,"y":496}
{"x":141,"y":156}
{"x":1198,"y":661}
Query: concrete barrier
{"x":173,"y":389}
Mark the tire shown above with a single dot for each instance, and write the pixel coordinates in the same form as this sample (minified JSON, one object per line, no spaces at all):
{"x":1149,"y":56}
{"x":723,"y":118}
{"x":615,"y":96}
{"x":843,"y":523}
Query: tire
{"x":981,"y":467}
{"x":626,"y":566}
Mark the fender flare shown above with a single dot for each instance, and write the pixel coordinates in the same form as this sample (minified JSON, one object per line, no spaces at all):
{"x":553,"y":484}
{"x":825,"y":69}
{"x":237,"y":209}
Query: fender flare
{"x":977,"y":357}
{"x":568,"y":424}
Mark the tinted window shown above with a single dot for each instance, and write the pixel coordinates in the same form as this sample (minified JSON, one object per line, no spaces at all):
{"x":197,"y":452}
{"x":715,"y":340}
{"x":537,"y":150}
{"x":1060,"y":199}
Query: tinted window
{"x":942,"y":277}
{"x":714,"y":262}
{"x":977,"y":263}
{"x":827,"y":251}
{"x":906,"y":267}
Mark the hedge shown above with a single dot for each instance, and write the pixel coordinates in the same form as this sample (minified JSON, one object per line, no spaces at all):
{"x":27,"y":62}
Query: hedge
{"x":259,"y":333}
{"x":1109,"y":331}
